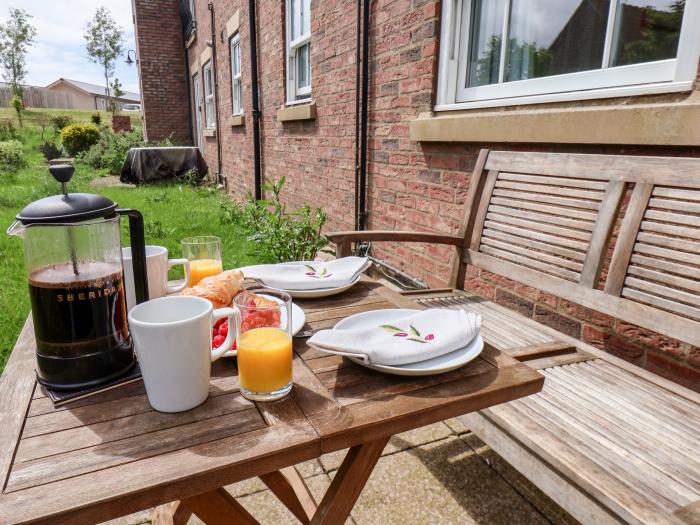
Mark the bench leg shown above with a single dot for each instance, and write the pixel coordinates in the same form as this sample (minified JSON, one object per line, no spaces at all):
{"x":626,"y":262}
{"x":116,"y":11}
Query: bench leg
{"x":348,"y":483}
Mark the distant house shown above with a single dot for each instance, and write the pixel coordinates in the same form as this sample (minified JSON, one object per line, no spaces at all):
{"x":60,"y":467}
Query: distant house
{"x":90,"y":96}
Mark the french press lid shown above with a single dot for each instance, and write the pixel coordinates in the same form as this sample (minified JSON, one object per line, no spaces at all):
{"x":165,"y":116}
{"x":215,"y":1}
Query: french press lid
{"x":69,"y":207}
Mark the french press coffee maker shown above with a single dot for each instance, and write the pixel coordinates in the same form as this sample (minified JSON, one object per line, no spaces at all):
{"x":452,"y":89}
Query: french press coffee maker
{"x":72,"y":247}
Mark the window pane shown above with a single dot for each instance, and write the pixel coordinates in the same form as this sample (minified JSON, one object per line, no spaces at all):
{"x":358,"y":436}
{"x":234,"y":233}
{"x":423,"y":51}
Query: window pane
{"x":646,"y":30}
{"x":305,"y":16}
{"x":485,"y":41}
{"x":553,"y":37}
{"x":303,"y":66}
{"x":294,"y":18}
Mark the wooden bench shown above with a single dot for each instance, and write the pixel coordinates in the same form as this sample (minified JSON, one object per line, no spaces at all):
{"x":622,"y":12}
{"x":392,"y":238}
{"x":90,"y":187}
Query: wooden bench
{"x":608,"y":441}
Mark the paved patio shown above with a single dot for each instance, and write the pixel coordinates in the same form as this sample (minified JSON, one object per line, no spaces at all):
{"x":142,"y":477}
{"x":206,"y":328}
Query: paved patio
{"x":439,"y":474}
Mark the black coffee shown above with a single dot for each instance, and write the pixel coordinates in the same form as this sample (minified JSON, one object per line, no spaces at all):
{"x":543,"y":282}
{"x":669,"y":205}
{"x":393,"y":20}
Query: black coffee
{"x":79,"y":315}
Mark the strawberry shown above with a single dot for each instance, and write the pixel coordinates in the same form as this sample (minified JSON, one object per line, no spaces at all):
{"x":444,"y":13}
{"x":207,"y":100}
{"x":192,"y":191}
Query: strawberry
{"x":233,"y":346}
{"x":218,"y":341}
{"x":223,"y":330}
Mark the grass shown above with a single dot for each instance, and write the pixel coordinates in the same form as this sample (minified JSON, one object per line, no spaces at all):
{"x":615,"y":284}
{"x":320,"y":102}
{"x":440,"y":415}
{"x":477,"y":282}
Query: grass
{"x":171,"y":212}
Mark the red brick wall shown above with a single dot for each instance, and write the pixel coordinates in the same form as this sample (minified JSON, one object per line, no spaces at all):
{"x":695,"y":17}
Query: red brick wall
{"x":411,"y":185}
{"x":162,"y":72}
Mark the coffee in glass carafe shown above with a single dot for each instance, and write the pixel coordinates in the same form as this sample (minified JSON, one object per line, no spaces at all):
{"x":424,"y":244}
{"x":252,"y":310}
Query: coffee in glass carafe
{"x":72,"y":248}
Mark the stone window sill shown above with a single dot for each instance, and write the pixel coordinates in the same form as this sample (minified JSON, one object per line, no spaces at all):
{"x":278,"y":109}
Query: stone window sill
{"x":297,"y":112}
{"x":236,"y":120}
{"x":669,"y":123}
{"x":210,"y":132}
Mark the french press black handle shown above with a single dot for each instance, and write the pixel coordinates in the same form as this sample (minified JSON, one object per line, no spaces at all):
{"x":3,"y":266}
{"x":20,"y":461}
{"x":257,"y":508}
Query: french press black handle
{"x":138,"y":253}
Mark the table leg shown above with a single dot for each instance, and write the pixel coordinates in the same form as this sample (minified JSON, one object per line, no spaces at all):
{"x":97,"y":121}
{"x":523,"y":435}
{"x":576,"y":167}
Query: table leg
{"x":174,"y":513}
{"x":349,"y":482}
{"x":290,"y":489}
{"x":218,"y":507}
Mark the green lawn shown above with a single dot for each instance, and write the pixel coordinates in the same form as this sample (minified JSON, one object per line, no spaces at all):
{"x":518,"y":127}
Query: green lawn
{"x":171,"y":212}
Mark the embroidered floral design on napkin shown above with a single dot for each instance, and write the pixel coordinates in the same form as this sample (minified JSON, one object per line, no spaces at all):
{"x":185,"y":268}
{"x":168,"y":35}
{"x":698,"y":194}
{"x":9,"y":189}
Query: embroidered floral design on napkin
{"x":323,"y":274}
{"x":414,"y":334}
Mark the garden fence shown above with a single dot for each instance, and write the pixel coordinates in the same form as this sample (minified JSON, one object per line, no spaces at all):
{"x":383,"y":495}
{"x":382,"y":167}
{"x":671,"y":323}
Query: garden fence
{"x":37,"y":97}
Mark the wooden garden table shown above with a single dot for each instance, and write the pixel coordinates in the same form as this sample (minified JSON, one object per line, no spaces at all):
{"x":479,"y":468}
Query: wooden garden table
{"x":112,"y":455}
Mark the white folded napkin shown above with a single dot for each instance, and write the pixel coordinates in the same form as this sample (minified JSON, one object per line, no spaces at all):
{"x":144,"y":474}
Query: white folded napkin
{"x":417,"y":337}
{"x":310,"y":275}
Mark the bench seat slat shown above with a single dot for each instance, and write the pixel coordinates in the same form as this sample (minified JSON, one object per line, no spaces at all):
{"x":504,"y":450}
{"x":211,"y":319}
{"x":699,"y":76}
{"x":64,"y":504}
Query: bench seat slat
{"x":669,"y":242}
{"x":673,"y":256}
{"x":675,"y":193}
{"x":536,"y":235}
{"x":663,"y":291}
{"x":539,"y":226}
{"x":667,"y":278}
{"x":670,"y":229}
{"x":669,"y":204}
{"x":651,"y":444}
{"x":676,"y":218}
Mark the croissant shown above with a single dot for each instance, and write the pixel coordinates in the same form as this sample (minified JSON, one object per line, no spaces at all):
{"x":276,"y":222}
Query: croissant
{"x":220,"y":289}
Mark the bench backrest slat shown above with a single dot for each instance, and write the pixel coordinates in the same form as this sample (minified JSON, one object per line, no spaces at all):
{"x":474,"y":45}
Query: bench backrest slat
{"x":547,"y":219}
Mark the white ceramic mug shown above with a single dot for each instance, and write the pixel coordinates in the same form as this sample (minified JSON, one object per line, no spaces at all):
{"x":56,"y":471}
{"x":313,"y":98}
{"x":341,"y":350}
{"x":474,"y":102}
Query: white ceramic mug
{"x":157,"y":265}
{"x":172,"y":339}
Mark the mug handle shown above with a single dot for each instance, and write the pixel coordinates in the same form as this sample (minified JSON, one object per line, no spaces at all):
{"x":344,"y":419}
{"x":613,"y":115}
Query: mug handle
{"x":178,"y":286}
{"x":233,"y":314}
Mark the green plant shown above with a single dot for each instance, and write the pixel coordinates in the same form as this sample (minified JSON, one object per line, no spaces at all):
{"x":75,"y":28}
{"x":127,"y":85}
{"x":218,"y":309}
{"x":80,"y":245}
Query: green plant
{"x":11,"y":157}
{"x":7,"y":129}
{"x":156,"y":229}
{"x":18,"y":105}
{"x":111,"y":149}
{"x":60,"y":121}
{"x":77,"y":138}
{"x":96,"y":119}
{"x":278,"y":235}
{"x":49,"y":150}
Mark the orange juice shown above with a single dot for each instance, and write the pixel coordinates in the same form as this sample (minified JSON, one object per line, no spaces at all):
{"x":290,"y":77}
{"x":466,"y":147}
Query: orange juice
{"x":201,"y":268}
{"x":264,"y":359}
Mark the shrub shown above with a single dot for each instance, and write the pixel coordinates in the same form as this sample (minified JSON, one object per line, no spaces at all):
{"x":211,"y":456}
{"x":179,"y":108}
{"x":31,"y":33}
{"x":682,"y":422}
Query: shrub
{"x":77,"y":138}
{"x":11,"y":157}
{"x":7,"y":129}
{"x":112,"y":148}
{"x":61,"y":121}
{"x":96,"y":119}
{"x":49,"y":150}
{"x":279,"y":236}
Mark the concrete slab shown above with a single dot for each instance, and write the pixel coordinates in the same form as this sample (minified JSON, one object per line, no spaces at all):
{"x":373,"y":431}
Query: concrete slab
{"x":441,"y":482}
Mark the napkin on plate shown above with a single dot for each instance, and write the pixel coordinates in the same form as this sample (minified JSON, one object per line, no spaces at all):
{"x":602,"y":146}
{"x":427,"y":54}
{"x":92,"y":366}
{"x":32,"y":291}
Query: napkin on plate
{"x":311,"y":275}
{"x":417,"y":337}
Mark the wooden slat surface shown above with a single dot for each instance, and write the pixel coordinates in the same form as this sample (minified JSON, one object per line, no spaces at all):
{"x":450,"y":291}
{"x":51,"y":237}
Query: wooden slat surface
{"x":112,"y":454}
{"x":616,"y":436}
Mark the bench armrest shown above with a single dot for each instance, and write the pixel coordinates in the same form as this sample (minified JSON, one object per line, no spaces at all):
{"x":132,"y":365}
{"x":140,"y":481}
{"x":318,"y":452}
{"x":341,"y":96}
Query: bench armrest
{"x":343,"y":240}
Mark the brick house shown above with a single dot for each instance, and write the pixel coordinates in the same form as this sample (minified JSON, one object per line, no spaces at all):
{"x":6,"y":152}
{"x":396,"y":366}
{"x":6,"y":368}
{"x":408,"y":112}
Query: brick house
{"x":442,"y":83}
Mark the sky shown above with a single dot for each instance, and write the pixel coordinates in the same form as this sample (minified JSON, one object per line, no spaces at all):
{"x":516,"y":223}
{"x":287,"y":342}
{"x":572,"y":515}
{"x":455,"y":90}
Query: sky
{"x":59,"y":50}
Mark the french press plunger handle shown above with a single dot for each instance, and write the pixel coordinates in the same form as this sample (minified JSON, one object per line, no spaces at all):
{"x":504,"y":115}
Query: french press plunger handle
{"x":62,"y":173}
{"x":138,"y":253}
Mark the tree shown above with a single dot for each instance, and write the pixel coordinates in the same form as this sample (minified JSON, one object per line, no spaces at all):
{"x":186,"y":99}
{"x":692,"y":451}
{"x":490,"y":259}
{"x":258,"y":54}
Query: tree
{"x":16,"y":36}
{"x":118,"y":92}
{"x":104,"y":42}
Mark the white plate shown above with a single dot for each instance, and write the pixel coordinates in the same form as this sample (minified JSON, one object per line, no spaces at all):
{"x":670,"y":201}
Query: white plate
{"x":298,"y":321}
{"x":436,"y":365}
{"x":317,"y":292}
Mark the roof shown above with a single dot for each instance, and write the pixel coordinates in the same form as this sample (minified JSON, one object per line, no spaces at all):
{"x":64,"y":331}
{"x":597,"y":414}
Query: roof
{"x":94,"y":89}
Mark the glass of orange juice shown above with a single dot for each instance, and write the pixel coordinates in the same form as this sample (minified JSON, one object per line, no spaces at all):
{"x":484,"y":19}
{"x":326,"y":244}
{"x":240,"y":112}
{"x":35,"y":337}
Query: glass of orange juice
{"x":264,"y":344}
{"x":204,"y":254}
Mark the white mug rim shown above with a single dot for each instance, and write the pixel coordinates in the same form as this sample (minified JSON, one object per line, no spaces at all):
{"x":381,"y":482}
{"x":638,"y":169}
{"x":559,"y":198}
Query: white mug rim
{"x":209,"y":308}
{"x":155,"y":251}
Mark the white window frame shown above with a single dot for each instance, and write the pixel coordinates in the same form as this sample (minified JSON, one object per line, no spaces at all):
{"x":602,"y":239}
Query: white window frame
{"x":296,"y":94}
{"x":209,"y":98}
{"x":236,"y":82}
{"x":662,"y":76}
